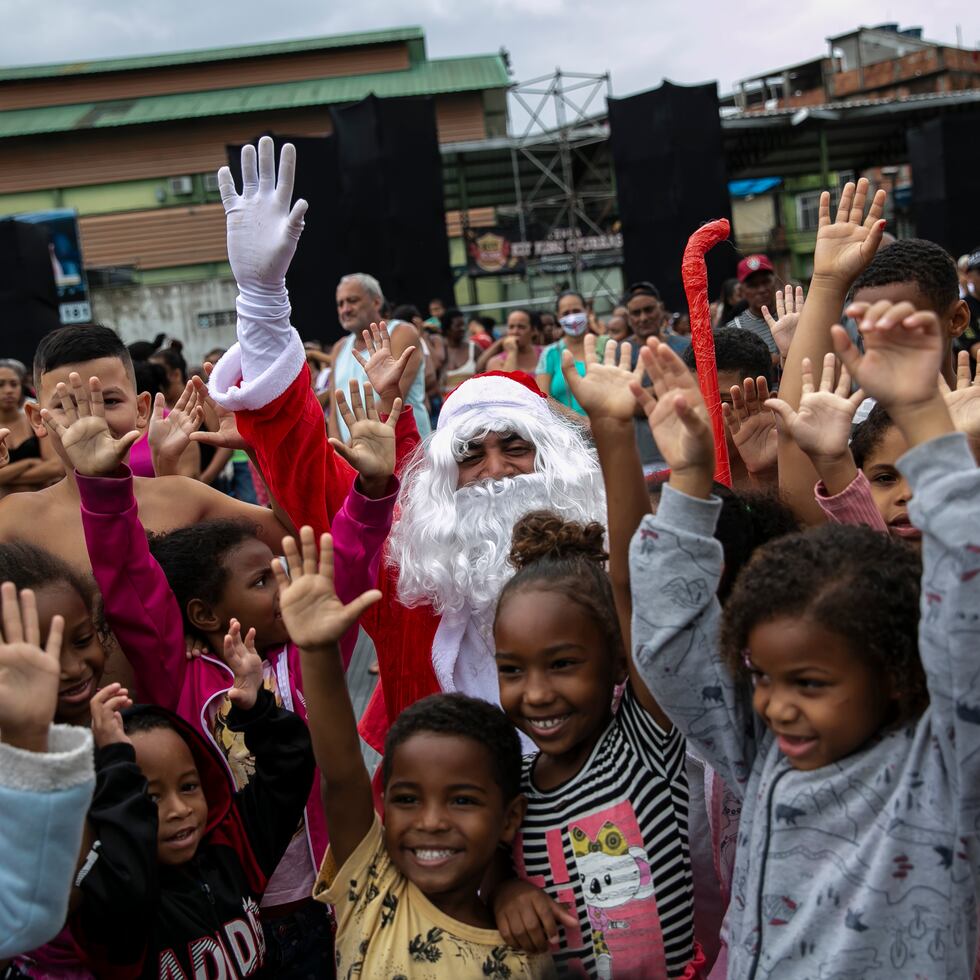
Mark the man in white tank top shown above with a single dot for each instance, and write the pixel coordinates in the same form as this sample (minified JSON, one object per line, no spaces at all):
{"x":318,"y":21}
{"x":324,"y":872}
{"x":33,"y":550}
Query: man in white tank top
{"x":359,"y":304}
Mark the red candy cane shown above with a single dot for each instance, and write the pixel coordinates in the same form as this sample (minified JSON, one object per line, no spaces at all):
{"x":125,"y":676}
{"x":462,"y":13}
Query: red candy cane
{"x":694,"y":272}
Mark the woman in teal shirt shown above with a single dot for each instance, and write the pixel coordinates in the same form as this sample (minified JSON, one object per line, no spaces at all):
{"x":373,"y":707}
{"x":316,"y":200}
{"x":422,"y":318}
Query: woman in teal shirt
{"x":573,"y":315}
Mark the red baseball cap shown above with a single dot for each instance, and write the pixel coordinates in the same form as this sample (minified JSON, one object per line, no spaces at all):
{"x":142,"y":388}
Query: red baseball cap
{"x":751,"y":264}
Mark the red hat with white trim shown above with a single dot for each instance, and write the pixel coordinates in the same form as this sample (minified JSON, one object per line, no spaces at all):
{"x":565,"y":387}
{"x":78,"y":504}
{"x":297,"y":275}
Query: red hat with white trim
{"x":494,"y":390}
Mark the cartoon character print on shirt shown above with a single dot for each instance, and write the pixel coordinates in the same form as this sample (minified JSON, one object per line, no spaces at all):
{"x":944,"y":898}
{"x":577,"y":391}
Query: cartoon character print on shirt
{"x":232,"y":744}
{"x":614,"y":876}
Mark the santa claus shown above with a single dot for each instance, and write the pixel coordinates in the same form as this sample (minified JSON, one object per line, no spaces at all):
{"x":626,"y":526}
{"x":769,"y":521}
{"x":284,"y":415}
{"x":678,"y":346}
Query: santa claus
{"x":499,"y":452}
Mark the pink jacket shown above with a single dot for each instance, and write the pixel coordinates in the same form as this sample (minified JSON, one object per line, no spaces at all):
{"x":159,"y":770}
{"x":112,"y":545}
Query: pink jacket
{"x":853,"y":505}
{"x":144,"y":615}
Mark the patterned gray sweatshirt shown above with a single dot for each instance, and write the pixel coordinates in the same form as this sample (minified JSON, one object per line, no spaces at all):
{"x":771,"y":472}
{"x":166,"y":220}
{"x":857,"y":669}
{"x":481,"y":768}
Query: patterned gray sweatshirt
{"x":866,"y":869}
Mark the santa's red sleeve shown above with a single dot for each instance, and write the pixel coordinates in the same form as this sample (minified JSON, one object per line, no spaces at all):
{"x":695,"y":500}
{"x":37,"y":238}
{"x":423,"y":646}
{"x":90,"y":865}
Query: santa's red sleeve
{"x":281,"y":418}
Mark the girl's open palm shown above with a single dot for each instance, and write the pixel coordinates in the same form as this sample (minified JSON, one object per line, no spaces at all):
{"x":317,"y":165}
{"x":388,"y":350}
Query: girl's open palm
{"x":387,"y":376}
{"x":963,"y":401}
{"x":822,"y":426}
{"x":245,"y":663}
{"x":604,"y":390}
{"x":371,"y":446}
{"x":171,"y":435}
{"x":29,"y":675}
{"x":903,"y":351}
{"x":313,"y":613}
{"x":675,"y":410}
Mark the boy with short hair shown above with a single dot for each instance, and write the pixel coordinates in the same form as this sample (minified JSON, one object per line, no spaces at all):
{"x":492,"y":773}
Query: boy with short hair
{"x":179,"y":861}
{"x":406,"y":893}
{"x":50,"y":518}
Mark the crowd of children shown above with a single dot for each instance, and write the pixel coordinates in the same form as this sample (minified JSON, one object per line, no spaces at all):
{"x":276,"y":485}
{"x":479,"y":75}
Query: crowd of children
{"x":718,"y":742}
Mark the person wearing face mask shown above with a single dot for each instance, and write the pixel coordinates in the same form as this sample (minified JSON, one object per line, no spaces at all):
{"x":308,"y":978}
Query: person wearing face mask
{"x":574,"y":318}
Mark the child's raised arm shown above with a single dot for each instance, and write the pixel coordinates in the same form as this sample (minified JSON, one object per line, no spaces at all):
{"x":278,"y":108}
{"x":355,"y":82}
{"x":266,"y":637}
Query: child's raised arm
{"x":675,"y":567}
{"x":139,"y":605}
{"x":46,"y":780}
{"x":845,"y":246}
{"x":604,"y":393}
{"x":316,"y":620}
{"x":903,"y":354}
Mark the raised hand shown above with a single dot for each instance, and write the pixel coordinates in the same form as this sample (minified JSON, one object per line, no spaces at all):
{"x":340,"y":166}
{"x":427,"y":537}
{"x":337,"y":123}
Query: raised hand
{"x":788,"y":310}
{"x":222,"y":429}
{"x":262,"y":230}
{"x":387,"y":376}
{"x":903,"y":350}
{"x":846,"y":245}
{"x":752,"y":425}
{"x":29,"y":675}
{"x":371,"y":447}
{"x":963,"y":401}
{"x":314,"y":616}
{"x":604,"y":391}
{"x":822,"y":426}
{"x":245,"y":663}
{"x":86,"y":439}
{"x":4,"y":451}
{"x":107,"y":723}
{"x":169,"y":436}
{"x":678,"y":418}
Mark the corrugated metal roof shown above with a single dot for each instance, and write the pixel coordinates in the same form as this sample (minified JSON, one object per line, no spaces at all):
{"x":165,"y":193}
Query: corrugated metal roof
{"x":389,"y":36}
{"x":441,"y":76}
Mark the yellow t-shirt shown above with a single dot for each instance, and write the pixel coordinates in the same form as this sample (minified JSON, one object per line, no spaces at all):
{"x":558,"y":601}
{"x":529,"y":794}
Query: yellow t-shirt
{"x":386,"y":927}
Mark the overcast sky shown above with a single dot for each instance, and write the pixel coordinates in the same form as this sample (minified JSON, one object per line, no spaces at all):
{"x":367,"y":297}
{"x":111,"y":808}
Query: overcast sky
{"x":640,"y":42}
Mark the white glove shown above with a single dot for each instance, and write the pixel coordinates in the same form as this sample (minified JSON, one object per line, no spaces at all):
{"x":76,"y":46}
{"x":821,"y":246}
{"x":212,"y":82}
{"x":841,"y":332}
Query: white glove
{"x":262,"y":231}
{"x":262,"y":235}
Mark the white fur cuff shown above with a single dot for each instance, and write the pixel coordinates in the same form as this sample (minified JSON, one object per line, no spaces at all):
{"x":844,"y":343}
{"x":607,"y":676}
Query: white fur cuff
{"x":68,"y":762}
{"x":231,"y":392}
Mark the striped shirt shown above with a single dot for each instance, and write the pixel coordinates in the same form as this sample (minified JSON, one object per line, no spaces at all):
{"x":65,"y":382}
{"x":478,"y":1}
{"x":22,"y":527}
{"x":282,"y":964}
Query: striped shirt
{"x":612,"y":843}
{"x":755,"y":324}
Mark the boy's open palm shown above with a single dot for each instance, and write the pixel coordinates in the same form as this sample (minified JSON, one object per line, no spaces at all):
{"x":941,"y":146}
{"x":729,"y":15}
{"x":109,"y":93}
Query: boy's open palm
{"x":604,"y":391}
{"x":86,"y":438}
{"x":371,"y":446}
{"x":245,"y":663}
{"x":903,"y":350}
{"x":848,"y":243}
{"x":313,"y":613}
{"x":675,"y":410}
{"x":29,"y":675}
{"x":822,"y":426}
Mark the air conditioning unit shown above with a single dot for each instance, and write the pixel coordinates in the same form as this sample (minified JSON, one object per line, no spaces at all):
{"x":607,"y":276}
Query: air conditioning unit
{"x":211,"y":183}
{"x":180,"y":186}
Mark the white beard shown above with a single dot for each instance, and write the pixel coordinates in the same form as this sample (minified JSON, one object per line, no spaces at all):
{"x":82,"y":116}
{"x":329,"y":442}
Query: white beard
{"x":451,"y":546}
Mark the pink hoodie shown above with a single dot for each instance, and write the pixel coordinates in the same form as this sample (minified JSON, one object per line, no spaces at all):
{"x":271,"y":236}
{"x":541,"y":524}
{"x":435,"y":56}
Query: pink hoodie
{"x":144,"y":615}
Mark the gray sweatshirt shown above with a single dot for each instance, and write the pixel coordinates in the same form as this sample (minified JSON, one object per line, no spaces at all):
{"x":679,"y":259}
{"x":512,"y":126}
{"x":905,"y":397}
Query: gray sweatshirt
{"x":865,"y":869}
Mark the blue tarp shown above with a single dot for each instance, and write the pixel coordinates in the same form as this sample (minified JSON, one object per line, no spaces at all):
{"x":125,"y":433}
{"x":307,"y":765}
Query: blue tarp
{"x":750,"y":188}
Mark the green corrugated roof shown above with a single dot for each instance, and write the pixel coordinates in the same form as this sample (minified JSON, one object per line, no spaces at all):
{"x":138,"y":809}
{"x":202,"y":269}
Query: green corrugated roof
{"x":102,"y":65}
{"x":443,"y":75}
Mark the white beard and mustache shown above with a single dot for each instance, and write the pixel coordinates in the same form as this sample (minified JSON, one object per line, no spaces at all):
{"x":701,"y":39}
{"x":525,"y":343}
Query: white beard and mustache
{"x":451,"y":546}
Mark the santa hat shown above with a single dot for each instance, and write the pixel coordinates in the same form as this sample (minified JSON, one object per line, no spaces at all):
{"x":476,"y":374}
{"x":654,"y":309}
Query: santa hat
{"x":495,"y":390}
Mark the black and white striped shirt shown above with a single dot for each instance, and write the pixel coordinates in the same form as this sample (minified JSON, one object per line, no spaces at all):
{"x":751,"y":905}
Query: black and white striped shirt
{"x":612,"y":843}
